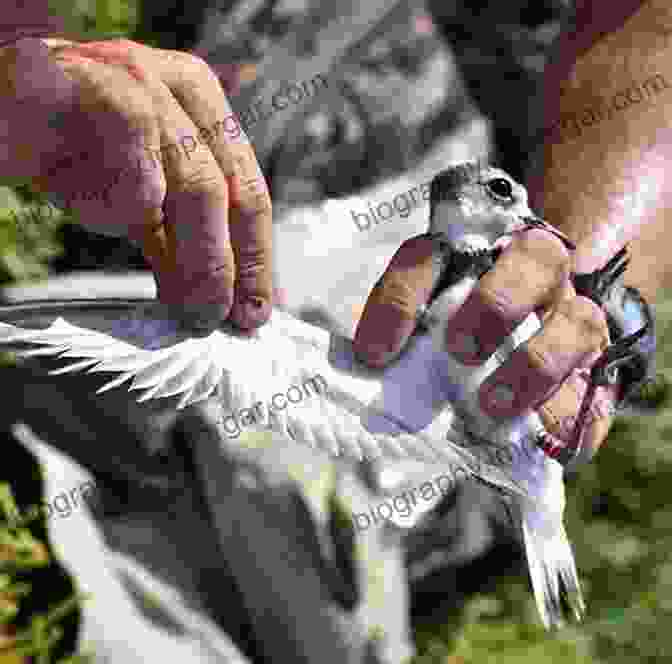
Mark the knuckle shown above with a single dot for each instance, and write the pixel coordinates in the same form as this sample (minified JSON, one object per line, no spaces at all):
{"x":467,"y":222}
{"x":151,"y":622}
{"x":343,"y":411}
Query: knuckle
{"x":252,"y":262}
{"x":179,"y":58}
{"x":259,"y":202}
{"x":587,"y":318}
{"x":204,"y":179}
{"x":192,"y":66}
{"x":394,"y":291}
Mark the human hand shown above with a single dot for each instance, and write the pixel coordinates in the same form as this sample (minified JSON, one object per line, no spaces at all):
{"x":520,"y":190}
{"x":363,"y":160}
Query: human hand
{"x":476,"y":208}
{"x":142,"y":142}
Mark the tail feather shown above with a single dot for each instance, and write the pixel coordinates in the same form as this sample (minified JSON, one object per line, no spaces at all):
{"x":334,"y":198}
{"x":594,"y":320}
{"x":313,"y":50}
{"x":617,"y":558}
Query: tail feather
{"x":550,"y":560}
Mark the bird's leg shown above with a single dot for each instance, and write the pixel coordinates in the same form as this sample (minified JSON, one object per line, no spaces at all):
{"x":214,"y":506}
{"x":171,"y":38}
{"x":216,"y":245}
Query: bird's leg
{"x":602,"y":373}
{"x":596,"y":285}
{"x":626,"y":310}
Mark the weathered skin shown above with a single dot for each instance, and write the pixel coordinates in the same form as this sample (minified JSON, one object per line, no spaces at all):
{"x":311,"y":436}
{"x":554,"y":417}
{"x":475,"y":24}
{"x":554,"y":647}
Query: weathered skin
{"x":98,"y":126}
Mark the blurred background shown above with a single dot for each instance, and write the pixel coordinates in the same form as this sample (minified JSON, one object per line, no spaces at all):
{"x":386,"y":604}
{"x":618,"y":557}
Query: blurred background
{"x":412,"y":86}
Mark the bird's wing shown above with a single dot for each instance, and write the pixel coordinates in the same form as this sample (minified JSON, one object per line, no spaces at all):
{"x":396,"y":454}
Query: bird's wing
{"x":327,"y":409}
{"x":341,"y":413}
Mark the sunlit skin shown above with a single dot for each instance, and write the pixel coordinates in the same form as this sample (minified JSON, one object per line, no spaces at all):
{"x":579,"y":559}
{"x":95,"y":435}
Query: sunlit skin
{"x":615,"y":180}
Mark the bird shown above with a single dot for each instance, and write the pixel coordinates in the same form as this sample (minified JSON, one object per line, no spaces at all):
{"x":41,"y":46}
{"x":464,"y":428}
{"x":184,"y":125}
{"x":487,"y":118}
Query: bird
{"x":419,"y":407}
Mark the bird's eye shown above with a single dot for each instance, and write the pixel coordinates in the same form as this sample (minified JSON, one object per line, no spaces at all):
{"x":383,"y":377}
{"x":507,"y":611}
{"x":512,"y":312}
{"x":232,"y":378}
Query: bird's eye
{"x":500,"y":188}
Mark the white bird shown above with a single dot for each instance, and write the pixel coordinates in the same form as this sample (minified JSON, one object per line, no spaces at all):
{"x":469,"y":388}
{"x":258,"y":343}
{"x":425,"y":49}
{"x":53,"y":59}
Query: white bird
{"x":423,"y":406}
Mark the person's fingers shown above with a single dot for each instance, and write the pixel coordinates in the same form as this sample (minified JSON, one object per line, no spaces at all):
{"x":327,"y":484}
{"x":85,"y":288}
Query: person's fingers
{"x":559,"y":413}
{"x":105,"y":181}
{"x":199,"y":92}
{"x":573,"y":336}
{"x":531,"y":273}
{"x":251,"y":225}
{"x":196,"y":216}
{"x":390,"y":313}
{"x":198,"y":265}
{"x":34,"y":91}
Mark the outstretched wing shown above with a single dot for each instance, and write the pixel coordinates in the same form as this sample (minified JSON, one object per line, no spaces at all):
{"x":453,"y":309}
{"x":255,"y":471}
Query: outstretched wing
{"x":336,"y":406}
{"x":183,"y":368}
{"x":281,"y":376}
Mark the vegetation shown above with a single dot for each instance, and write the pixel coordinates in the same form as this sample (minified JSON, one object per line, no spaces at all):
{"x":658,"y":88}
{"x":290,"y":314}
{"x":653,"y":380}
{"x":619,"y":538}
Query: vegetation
{"x":27,"y":633}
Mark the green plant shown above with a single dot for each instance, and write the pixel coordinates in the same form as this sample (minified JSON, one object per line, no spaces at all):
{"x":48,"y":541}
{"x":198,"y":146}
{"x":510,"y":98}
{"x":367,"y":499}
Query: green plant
{"x":20,"y":552}
{"x":28,"y":240}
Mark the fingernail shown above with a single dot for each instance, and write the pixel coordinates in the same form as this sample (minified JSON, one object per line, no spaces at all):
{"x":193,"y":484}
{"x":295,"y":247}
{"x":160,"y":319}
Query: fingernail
{"x":251,"y":312}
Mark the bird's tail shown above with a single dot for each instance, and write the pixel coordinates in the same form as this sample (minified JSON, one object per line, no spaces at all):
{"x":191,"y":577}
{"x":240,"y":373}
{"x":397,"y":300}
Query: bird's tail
{"x":550,"y":560}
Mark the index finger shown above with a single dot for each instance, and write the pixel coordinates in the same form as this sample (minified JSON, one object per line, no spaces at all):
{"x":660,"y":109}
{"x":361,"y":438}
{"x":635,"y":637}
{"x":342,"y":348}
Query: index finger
{"x":389,"y":316}
{"x":200,"y":93}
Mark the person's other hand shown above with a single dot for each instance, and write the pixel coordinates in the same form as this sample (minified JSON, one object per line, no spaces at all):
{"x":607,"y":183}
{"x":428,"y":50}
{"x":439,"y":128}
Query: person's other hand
{"x":550,"y":372}
{"x":142,"y":142}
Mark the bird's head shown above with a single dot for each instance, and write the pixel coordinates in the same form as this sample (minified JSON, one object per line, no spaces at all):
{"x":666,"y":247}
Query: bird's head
{"x":472,"y":205}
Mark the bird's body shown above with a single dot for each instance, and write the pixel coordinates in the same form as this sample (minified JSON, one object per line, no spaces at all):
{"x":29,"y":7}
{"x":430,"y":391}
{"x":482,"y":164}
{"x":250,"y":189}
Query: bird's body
{"x":423,"y":406}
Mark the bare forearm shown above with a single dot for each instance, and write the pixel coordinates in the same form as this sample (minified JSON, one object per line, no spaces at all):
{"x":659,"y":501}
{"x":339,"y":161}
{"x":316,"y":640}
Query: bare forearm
{"x":608,"y":151}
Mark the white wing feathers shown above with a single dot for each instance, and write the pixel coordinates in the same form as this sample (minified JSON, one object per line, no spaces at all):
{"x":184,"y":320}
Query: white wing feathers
{"x":241,"y":371}
{"x":244,"y":371}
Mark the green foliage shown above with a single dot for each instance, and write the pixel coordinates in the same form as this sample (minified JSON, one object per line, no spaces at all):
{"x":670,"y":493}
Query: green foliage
{"x":28,"y":238}
{"x":97,"y":19}
{"x":21,"y":552}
